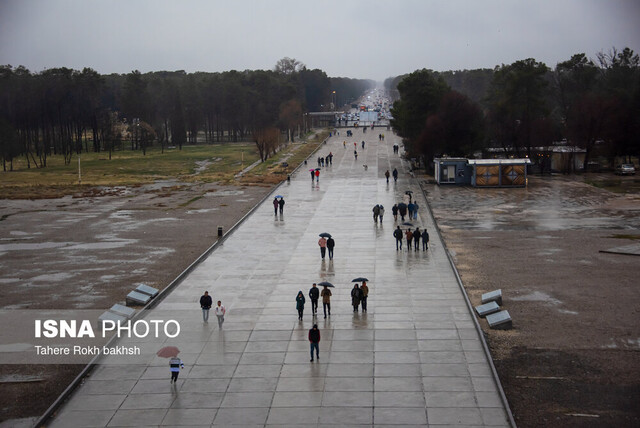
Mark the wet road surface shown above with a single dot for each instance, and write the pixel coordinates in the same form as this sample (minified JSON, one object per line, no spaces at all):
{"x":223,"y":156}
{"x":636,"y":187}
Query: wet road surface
{"x":414,"y":359}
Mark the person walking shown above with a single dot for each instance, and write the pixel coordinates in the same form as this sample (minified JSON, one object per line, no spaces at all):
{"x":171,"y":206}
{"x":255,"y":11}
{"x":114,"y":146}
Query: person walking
{"x":394,"y":211}
{"x":313,"y":175}
{"x":300,"y":304}
{"x":355,"y":153}
{"x":326,"y":301}
{"x":398,"y":235}
{"x":281,"y":205}
{"x":416,"y":238}
{"x":381,"y":213}
{"x":365,"y":293}
{"x":314,"y":293}
{"x":409,"y":235}
{"x":317,"y":175}
{"x":387,"y":175}
{"x":362,"y":144}
{"x":275,"y":206}
{"x":415,"y":210}
{"x":314,"y":341}
{"x":402,"y":209}
{"x":175,"y":364}
{"x":395,"y":174}
{"x":205,"y":304}
{"x":356,"y":297}
{"x":330,"y":244}
{"x":220,"y":311}
{"x":410,"y":207}
{"x":376,"y":213}
{"x":330,"y":157}
{"x":425,"y":240}
{"x":322,"y":242}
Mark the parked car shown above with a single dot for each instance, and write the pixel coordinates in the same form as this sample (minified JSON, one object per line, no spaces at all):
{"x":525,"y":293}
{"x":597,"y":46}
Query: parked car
{"x":626,"y":169}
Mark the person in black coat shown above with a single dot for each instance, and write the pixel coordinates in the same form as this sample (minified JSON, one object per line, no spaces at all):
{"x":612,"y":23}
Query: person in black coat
{"x":356,"y":297}
{"x":314,"y":341}
{"x":416,"y":237}
{"x":425,"y":240}
{"x":314,"y":295}
{"x":205,"y":304}
{"x":398,"y":235}
{"x":330,"y":244}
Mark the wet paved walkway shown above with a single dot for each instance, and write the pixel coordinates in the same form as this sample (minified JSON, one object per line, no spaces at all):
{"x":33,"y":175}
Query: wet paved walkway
{"x":414,"y":359}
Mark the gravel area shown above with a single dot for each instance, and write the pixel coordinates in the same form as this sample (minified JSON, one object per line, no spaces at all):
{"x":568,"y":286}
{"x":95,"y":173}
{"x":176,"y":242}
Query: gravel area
{"x":572,"y":358}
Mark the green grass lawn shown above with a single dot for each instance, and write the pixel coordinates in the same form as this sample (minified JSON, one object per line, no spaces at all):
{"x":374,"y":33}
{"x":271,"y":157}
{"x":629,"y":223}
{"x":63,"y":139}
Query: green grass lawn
{"x":200,"y":163}
{"x":219,"y":161}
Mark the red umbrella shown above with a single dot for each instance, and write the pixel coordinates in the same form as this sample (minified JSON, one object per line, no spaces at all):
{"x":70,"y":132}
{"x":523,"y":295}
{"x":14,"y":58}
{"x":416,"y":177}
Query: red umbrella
{"x":168,"y":352}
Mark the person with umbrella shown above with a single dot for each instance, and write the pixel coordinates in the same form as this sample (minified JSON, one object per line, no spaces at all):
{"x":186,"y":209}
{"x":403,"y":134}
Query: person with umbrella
{"x":402,"y":209}
{"x":314,"y":293}
{"x":300,"y":304}
{"x":313,"y":174}
{"x":398,"y":235}
{"x":356,"y":297}
{"x":330,"y":244}
{"x":275,"y":206}
{"x":365,"y":293}
{"x":175,"y":364}
{"x":281,"y":204}
{"x":322,"y":242}
{"x":326,"y":300}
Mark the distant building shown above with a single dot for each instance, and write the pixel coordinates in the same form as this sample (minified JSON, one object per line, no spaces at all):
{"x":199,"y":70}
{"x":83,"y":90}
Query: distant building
{"x":482,"y":172}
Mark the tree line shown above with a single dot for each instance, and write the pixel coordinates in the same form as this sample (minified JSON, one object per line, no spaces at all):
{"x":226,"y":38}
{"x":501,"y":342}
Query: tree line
{"x":591,"y":103}
{"x":65,"y":112}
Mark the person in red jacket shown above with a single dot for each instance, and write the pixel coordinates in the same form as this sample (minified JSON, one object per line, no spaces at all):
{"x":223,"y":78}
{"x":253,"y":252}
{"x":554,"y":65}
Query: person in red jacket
{"x":314,"y":340}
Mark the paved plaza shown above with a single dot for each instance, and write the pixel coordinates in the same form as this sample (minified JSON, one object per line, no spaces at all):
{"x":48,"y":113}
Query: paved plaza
{"x":414,"y":359}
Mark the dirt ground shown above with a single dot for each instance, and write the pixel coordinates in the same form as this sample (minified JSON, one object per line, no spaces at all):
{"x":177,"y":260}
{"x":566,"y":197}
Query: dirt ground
{"x":572,"y":358}
{"x":89,"y":251}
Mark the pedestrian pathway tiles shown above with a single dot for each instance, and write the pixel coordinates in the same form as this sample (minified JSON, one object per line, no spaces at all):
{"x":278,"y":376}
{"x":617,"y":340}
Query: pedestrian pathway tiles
{"x":414,"y":359}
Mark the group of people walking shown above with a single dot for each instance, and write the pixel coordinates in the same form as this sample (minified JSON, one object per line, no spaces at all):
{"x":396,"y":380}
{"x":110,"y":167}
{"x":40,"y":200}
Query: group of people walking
{"x":278,"y":204}
{"x":314,"y":296}
{"x":326,"y":244}
{"x":325,"y":161}
{"x":359,"y":295}
{"x":412,"y":237}
{"x":205,"y":303}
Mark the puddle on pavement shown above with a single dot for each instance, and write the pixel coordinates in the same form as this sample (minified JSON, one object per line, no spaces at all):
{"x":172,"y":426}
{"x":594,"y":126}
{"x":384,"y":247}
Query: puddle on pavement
{"x":225,"y":193}
{"x":538,"y":296}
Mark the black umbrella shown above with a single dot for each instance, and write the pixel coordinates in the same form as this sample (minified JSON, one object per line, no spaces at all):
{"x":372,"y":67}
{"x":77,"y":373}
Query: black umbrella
{"x":359,"y":279}
{"x":325,"y":235}
{"x":408,"y":192}
{"x":402,"y":204}
{"x":317,"y":169}
{"x":407,"y":224}
{"x":326,"y":284}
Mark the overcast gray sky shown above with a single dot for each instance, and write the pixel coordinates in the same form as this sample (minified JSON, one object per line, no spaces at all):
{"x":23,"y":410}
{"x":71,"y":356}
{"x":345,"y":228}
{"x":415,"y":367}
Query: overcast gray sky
{"x":371,"y":39}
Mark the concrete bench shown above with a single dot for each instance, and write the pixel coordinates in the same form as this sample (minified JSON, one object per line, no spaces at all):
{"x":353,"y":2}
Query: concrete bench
{"x":110,"y":316}
{"x":122,"y":311}
{"x":135,"y":298}
{"x":487,"y":309}
{"x":145,"y":289}
{"x":500,"y":320}
{"x":492,"y":296}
